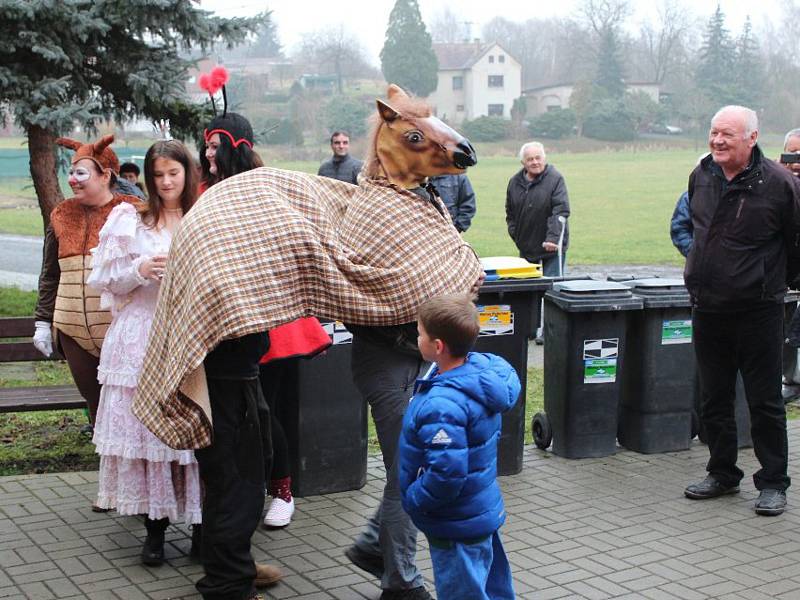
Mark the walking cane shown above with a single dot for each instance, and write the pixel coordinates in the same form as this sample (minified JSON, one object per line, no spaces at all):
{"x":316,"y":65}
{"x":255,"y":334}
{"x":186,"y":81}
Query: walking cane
{"x":563,"y":221}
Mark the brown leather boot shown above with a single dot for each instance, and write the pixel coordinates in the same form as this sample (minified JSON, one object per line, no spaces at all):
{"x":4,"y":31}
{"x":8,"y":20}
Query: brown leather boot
{"x":267,"y":575}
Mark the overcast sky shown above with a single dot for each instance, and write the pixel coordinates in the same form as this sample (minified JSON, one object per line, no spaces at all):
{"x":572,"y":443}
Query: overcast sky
{"x":367,"y":19}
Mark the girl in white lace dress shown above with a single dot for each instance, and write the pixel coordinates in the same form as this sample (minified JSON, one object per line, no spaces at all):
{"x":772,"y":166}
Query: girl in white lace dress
{"x":139,"y":474}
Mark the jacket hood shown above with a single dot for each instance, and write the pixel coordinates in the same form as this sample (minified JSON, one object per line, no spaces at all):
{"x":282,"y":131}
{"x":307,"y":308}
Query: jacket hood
{"x":486,"y":378}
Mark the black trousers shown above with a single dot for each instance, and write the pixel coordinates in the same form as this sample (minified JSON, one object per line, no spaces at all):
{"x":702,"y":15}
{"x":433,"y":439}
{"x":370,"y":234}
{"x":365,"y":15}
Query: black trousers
{"x":749,"y":341}
{"x":232,"y":470}
{"x":275,"y":378}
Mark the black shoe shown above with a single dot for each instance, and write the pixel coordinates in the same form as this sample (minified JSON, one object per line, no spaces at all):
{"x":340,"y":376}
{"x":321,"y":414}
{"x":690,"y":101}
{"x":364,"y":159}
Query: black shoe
{"x":770,"y":502}
{"x":539,"y":340}
{"x":153,"y":550}
{"x":371,"y":563}
{"x":417,"y":593}
{"x":709,"y":488}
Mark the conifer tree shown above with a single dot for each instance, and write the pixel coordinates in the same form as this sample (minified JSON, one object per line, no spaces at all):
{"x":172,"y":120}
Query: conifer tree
{"x":79,"y":63}
{"x":407,"y":57}
{"x":610,"y":75}
{"x":715,"y":70}
{"x":749,"y":68}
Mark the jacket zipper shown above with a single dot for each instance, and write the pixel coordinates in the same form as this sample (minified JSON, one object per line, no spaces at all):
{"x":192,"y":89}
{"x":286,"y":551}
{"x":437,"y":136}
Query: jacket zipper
{"x":741,"y":204}
{"x":83,"y":270}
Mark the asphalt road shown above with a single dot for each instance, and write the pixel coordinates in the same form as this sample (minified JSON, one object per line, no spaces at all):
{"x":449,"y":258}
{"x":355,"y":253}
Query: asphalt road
{"x":20,"y":261}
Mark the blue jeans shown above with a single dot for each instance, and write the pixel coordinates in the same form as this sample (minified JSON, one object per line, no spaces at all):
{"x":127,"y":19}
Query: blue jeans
{"x":478,"y":571}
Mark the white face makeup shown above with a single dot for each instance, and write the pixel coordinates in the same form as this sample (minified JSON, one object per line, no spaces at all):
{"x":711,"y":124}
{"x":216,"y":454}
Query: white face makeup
{"x":79,"y":174}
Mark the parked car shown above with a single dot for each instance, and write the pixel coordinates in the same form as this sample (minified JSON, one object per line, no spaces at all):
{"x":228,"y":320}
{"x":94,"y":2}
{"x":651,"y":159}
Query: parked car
{"x":663,"y":129}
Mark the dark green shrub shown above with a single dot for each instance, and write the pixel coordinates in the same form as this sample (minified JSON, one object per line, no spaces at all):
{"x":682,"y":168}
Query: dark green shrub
{"x":554,"y":124}
{"x":486,"y":129}
{"x":348,"y":114}
{"x":273,"y":131}
{"x":609,"y":120}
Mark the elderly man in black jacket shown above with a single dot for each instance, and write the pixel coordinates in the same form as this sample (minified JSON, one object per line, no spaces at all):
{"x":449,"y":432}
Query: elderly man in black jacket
{"x":535,"y":198}
{"x":746,"y":219}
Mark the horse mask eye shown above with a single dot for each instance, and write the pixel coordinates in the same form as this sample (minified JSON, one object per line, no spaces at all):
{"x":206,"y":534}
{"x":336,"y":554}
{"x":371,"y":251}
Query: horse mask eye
{"x":415,"y":137}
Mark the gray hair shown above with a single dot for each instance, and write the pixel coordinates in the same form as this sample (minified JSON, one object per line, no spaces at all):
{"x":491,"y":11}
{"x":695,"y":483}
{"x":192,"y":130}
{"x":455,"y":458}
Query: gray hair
{"x":537,"y":145}
{"x":750,"y":117}
{"x":792,"y":134}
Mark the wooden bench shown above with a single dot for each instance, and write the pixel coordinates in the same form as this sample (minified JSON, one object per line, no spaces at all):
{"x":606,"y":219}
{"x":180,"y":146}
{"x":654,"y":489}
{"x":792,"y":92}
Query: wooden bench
{"x":50,"y":397}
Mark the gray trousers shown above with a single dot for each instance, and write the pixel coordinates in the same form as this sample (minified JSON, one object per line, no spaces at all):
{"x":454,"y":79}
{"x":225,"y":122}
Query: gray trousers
{"x":385,"y":378}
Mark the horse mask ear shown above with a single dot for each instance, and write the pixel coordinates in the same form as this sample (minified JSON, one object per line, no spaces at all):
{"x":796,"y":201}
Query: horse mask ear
{"x":386,"y":112}
{"x":389,"y":114}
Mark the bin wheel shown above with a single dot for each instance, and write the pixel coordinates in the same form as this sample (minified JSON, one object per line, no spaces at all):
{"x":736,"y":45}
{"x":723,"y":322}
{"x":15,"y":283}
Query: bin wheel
{"x":542,"y":432}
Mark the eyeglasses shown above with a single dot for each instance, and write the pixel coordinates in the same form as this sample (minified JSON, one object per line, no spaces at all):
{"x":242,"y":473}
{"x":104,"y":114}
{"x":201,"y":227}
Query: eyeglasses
{"x":79,"y":174}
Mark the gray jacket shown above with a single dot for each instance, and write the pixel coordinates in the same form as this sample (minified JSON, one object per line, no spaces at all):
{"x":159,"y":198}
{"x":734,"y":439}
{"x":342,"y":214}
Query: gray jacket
{"x":344,"y":168}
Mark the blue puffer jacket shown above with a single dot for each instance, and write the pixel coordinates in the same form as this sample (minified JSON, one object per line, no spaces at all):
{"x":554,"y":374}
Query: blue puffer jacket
{"x":448,"y":448}
{"x":680,"y":228}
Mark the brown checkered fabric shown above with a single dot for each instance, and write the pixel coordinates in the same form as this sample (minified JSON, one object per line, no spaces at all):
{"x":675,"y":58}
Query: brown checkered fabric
{"x":268,"y":246}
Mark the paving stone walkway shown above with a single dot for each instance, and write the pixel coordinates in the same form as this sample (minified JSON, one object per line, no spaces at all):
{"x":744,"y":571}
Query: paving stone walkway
{"x":614,"y":527}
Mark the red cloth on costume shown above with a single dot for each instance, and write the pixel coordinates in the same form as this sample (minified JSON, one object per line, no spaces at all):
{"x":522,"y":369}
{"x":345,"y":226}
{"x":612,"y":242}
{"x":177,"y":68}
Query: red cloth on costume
{"x":303,"y":337}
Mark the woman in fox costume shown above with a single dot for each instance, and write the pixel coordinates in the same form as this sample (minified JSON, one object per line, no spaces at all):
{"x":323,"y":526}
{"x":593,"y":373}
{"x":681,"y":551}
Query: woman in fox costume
{"x":66,"y":304}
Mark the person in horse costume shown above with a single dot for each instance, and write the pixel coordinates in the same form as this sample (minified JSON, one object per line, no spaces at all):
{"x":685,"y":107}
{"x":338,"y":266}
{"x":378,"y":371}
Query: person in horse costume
{"x":268,"y":246}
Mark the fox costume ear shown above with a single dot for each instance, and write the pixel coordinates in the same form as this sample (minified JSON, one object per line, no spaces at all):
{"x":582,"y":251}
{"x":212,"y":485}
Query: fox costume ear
{"x":68,"y":143}
{"x":102,"y":143}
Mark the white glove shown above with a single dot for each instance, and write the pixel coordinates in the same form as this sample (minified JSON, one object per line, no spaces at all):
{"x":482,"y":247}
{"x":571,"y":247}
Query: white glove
{"x":43,"y":337}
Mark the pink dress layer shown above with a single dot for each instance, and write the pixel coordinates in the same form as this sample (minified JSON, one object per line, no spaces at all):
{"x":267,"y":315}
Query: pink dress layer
{"x":139,"y":474}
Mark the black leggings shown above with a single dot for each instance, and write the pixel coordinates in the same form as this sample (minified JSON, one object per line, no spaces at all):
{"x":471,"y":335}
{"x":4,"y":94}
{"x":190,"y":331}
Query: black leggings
{"x":274,"y":377}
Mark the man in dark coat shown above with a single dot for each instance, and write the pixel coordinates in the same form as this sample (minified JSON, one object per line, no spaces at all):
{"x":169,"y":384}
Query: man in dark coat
{"x":341,"y":165}
{"x":535,"y":198}
{"x":746,"y":221}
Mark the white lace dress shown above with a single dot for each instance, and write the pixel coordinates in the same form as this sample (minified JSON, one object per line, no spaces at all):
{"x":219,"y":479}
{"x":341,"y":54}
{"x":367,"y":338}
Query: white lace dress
{"x":139,"y":474}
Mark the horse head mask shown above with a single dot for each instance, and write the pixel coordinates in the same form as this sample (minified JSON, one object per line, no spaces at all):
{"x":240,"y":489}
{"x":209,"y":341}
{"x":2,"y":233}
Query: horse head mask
{"x":409,"y":144}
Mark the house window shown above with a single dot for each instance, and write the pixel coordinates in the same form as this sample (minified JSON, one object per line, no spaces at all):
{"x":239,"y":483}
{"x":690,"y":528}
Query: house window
{"x":458,"y":82}
{"x":495,"y":81}
{"x":495,"y":110}
{"x":501,"y":58}
{"x":459,"y":108}
{"x":491,"y":58}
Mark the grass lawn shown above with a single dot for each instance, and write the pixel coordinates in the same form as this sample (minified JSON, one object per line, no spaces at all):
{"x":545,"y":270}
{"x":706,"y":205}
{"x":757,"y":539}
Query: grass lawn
{"x":16,"y":303}
{"x":621,"y":201}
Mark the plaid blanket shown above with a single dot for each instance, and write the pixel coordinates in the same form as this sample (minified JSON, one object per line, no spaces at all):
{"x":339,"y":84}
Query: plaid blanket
{"x":268,"y":246}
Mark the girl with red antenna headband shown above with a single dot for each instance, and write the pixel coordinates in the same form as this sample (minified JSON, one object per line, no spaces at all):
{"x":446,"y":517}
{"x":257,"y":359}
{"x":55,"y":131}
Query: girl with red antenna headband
{"x":234,"y":468}
{"x":228,"y":148}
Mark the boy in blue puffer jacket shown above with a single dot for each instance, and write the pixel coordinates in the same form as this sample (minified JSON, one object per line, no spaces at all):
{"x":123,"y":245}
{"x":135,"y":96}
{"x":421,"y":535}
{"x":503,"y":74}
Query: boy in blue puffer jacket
{"x":448,"y":453}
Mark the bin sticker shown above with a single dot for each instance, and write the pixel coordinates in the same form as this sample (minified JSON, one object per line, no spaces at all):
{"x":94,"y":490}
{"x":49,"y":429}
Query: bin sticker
{"x":338,"y":332}
{"x":676,"y":332}
{"x":496,"y":319}
{"x":600,"y":360}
